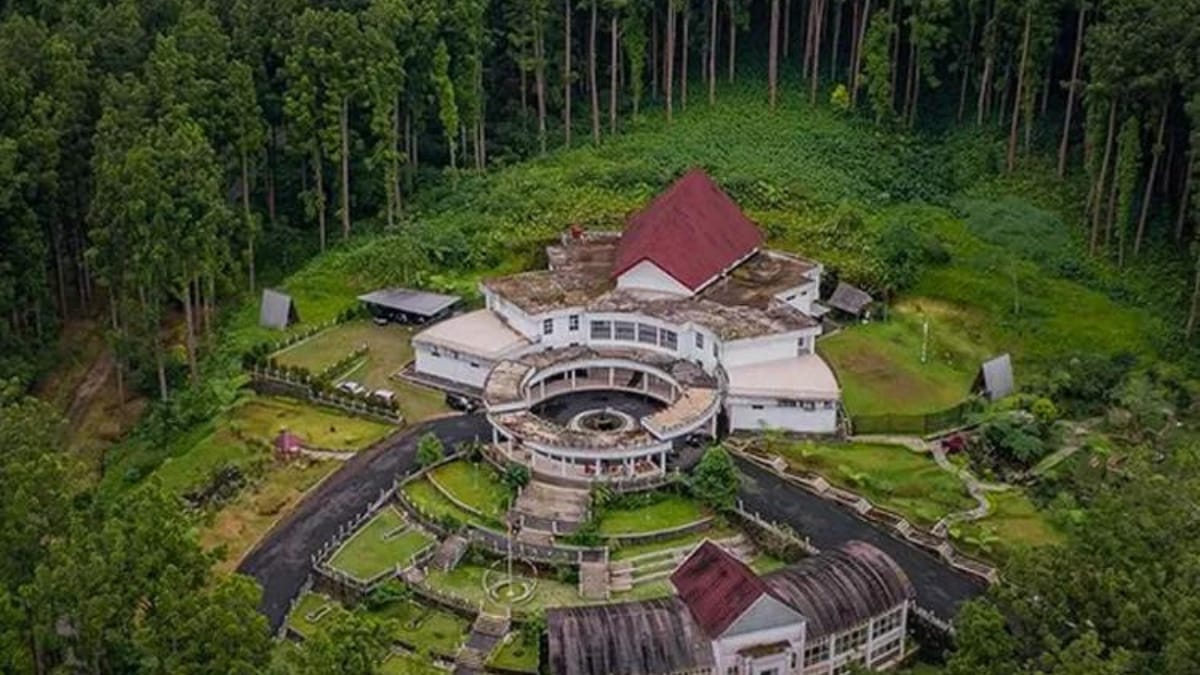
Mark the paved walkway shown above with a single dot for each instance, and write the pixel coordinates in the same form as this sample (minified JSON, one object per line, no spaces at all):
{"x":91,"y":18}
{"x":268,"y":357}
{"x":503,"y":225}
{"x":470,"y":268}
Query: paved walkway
{"x":281,"y":561}
{"x":941,"y":589}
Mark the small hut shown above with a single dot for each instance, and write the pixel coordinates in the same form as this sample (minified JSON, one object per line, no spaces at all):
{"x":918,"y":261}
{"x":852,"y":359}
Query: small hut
{"x":288,"y":445}
{"x":277,"y":310}
{"x":995,"y":378}
{"x":850,"y":301}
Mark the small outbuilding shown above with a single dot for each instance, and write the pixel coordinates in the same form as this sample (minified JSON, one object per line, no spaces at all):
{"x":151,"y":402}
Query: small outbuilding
{"x":850,"y":300}
{"x":995,"y":378}
{"x":406,"y":305}
{"x":277,"y":310}
{"x":287,"y":445}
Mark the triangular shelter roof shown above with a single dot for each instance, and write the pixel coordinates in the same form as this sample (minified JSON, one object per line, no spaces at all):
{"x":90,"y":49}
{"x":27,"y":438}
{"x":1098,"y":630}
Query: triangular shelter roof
{"x":693,"y":232}
{"x":849,"y":299}
{"x":277,"y":310}
{"x":996,"y":377}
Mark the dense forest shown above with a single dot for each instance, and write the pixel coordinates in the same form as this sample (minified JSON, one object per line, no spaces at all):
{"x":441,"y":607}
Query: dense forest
{"x":163,"y":160}
{"x":157,"y":154}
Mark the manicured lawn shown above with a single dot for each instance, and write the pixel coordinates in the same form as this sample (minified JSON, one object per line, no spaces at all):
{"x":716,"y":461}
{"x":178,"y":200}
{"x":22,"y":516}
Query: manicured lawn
{"x":879,"y":364}
{"x":313,"y":613}
{"x":242,"y":522}
{"x":626,"y":551}
{"x":424,"y":627}
{"x":1013,"y":523}
{"x":466,"y":581}
{"x":263,"y":418}
{"x":670,"y":511}
{"x":891,"y":476}
{"x":428,"y":499}
{"x":476,"y":485}
{"x":389,"y":349}
{"x":517,"y":654}
{"x":384,"y":542}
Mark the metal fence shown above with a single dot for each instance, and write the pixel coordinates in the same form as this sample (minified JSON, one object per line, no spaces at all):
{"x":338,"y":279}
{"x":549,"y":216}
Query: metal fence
{"x":919,"y":425}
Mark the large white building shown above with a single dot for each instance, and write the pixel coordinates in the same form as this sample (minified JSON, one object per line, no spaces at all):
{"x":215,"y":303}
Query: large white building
{"x":684,"y":306}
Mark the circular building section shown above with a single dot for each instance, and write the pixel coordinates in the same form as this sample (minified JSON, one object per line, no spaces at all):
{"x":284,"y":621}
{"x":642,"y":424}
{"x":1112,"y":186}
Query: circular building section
{"x":586,"y":415}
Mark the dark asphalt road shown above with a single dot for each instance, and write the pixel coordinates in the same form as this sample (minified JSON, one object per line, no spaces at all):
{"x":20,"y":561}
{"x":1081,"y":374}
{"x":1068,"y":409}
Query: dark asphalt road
{"x":281,"y":560}
{"x":940,"y":588}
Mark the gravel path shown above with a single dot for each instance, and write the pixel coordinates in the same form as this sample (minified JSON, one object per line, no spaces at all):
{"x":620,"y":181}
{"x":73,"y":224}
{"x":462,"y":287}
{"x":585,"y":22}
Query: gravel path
{"x":281,"y":561}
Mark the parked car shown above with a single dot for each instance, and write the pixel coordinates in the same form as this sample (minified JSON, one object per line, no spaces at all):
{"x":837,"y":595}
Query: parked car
{"x":386,"y":395}
{"x":462,"y":402}
{"x":352,"y":387}
{"x":380,"y":320}
{"x":698,"y":440}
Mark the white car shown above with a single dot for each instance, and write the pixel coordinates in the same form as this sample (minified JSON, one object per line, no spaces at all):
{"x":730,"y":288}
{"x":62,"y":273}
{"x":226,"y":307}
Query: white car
{"x":351,"y":387}
{"x":385,"y":395}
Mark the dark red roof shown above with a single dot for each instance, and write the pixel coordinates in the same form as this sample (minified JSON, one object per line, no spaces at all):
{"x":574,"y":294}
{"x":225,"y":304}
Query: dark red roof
{"x":693,"y":231}
{"x":717,"y":587}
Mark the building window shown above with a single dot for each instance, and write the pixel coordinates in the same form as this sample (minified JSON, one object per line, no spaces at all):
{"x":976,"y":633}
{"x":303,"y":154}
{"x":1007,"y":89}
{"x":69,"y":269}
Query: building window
{"x":756,"y":406}
{"x":829,"y":405}
{"x":714,"y":349}
{"x":473,"y":364}
{"x":601,"y":330}
{"x":808,"y":405}
{"x":700,"y":341}
{"x":669,"y":339}
{"x":887,"y":623}
{"x":625,"y":330}
{"x":647,"y":334}
{"x":852,"y":640}
{"x":787,"y":403}
{"x":800,"y":346}
{"x":547,"y":326}
{"x":434,"y":351}
{"x":816,"y":652}
{"x":573,"y":322}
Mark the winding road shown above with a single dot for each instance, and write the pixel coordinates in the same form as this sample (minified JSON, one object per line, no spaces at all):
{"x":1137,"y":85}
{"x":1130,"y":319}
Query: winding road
{"x":281,"y":561}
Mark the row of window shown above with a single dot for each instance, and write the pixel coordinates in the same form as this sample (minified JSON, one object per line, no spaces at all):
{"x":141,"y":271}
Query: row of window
{"x":887,"y":623}
{"x":791,"y":403}
{"x":629,"y":331}
{"x":572,"y":325}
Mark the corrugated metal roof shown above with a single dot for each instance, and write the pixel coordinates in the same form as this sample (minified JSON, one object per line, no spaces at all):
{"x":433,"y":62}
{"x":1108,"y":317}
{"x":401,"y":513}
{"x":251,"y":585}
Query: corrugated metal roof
{"x":693,"y":231}
{"x":633,"y":638}
{"x":842,"y":588}
{"x":849,"y":298}
{"x":410,"y":300}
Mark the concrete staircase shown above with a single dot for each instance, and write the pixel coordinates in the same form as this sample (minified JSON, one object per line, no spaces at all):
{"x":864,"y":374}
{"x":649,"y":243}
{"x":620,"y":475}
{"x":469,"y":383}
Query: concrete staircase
{"x":449,"y":553}
{"x":486,"y":632}
{"x":625,"y":574}
{"x":543,"y":506}
{"x":594,"y":580}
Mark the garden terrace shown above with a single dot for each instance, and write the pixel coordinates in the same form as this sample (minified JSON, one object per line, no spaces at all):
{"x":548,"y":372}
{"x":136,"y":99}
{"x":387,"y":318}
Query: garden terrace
{"x":386,"y":542}
{"x":473,"y":485}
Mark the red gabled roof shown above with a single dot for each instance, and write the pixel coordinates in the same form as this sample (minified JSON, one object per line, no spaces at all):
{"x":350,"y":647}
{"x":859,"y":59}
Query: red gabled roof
{"x":717,"y":587}
{"x":693,"y":231}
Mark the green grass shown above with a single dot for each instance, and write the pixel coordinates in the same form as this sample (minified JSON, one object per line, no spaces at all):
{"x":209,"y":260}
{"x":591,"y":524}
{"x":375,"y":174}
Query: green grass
{"x":1013,"y":523}
{"x":426,"y":497}
{"x":425,"y":627}
{"x":626,"y":551}
{"x":264,"y":418}
{"x":311,"y":602}
{"x":389,"y":349}
{"x":516,"y":654}
{"x":891,"y":476}
{"x":466,"y":581}
{"x":379,"y":547}
{"x":475,"y":484}
{"x":670,"y":511}
{"x":225,"y":440}
{"x":879,"y":364}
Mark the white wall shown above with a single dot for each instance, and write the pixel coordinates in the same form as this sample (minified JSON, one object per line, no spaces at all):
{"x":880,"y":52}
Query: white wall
{"x":801,"y":297}
{"x":725,"y":650}
{"x":646,"y":275}
{"x":768,"y":348}
{"x":743,"y":415}
{"x":451,"y":365}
